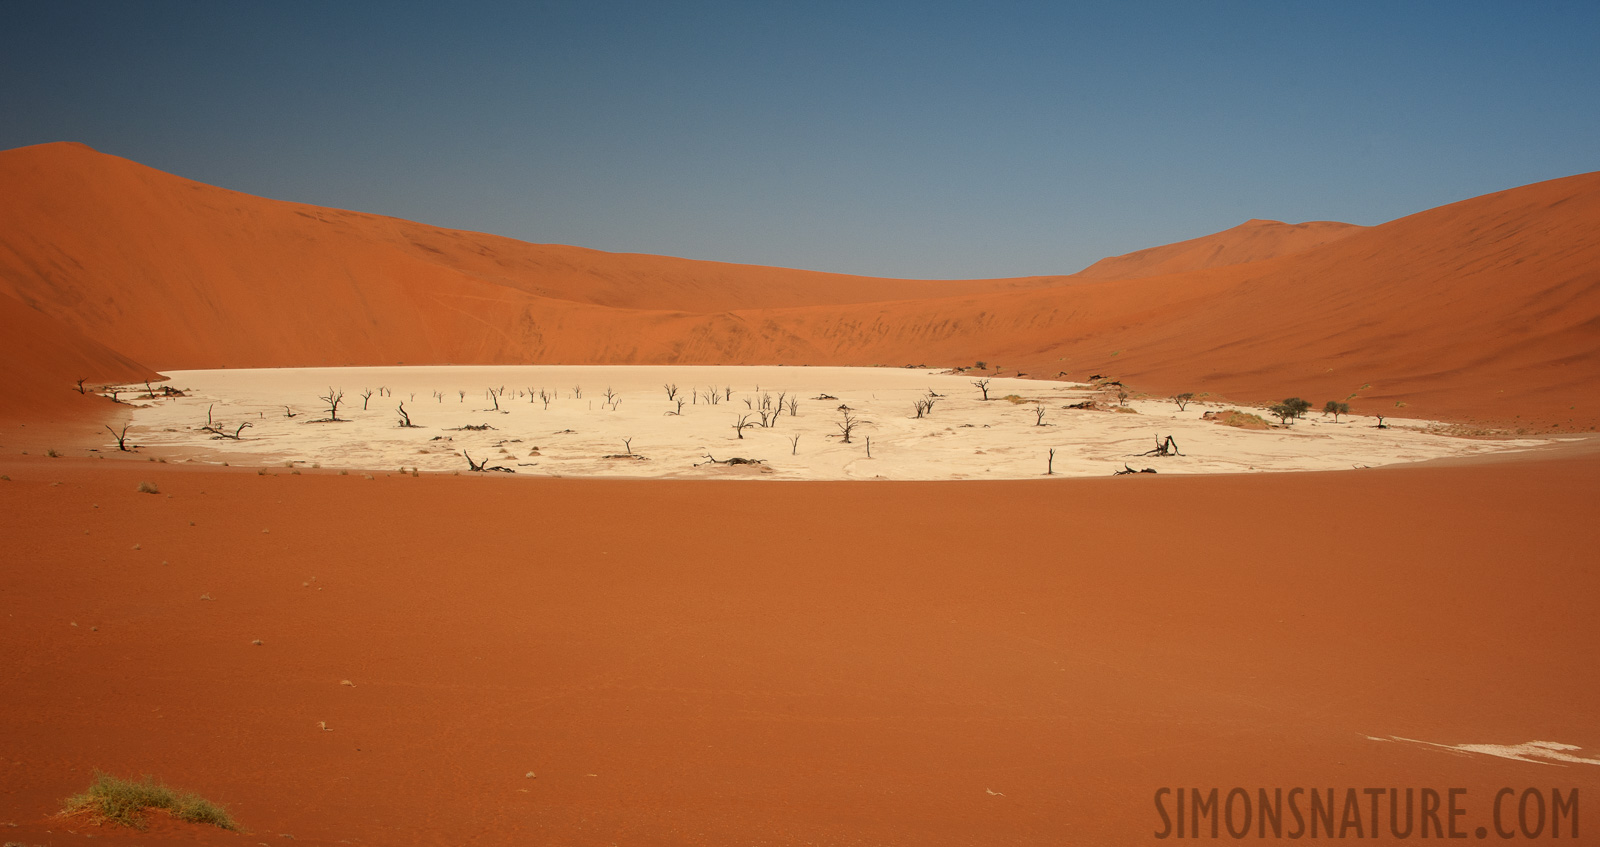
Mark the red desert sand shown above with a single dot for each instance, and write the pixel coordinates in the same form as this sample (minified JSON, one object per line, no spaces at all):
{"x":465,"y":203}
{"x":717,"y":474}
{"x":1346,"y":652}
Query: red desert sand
{"x":685,"y":662}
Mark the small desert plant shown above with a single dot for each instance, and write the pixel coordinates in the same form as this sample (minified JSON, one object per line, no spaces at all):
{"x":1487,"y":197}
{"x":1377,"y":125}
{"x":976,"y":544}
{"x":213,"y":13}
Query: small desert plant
{"x":148,"y":488}
{"x":52,"y":454}
{"x":124,"y":801}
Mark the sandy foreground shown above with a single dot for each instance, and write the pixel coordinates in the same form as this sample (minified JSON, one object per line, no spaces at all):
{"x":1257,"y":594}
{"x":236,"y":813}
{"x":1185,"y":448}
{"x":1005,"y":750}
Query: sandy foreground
{"x":636,"y":431}
{"x":683,"y":662}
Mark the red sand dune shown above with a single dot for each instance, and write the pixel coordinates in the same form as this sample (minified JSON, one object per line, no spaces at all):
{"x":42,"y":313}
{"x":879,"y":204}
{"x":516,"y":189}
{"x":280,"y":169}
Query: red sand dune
{"x":805,"y":663}
{"x":43,"y":361}
{"x":1487,"y":309}
{"x":181,"y":274}
{"x":1251,"y":241}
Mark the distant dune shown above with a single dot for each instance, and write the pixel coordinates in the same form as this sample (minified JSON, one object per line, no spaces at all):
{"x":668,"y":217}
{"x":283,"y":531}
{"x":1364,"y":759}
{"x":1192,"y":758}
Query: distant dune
{"x":1487,"y":309}
{"x":1251,"y":241}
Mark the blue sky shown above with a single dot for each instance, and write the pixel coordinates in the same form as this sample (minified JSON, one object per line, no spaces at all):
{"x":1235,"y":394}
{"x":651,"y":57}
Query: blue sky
{"x":936,"y":140}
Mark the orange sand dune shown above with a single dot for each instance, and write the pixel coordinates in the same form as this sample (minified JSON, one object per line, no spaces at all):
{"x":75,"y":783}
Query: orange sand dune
{"x":43,"y":359}
{"x":180,"y":274}
{"x":1251,"y":241}
{"x":805,"y":663}
{"x":1487,"y":309}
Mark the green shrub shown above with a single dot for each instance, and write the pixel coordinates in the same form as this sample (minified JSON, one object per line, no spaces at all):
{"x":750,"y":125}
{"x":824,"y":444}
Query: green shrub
{"x":1290,"y":409}
{"x":124,"y":801}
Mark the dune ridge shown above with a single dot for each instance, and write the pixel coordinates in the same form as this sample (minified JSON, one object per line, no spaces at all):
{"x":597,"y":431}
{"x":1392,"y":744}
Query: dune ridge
{"x":1482,"y":310}
{"x":1251,"y":241}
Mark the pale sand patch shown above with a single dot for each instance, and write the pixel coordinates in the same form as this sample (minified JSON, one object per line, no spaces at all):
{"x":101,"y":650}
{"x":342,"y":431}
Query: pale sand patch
{"x":963,"y":438}
{"x":1535,"y":752}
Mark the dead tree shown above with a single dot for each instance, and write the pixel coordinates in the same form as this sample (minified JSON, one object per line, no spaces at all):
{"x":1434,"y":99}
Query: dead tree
{"x":1050,"y":463}
{"x":287,"y":412}
{"x":366,"y":395}
{"x":611,"y":396}
{"x":672,"y":390}
{"x":1164,"y":447}
{"x":80,"y":385}
{"x":545,"y":396}
{"x":333,"y":398}
{"x":869,"y":446}
{"x":494,"y":398}
{"x":461,"y":395}
{"x":733,"y":461}
{"x":122,"y":438}
{"x":1183,"y":399}
{"x":794,"y":406}
{"x":484,"y":465}
{"x":1381,"y":424}
{"x":217,"y":431}
{"x":627,"y":444}
{"x":728,"y":390}
{"x":983,"y":385}
{"x":921,"y":407}
{"x":1122,"y":396}
{"x":848,"y":425}
{"x":439,"y":396}
{"x":1038,"y":415}
{"x":743,"y":424}
{"x":794,"y":445}
{"x":577,"y":392}
{"x":1127,"y":470}
{"x":405,"y":419}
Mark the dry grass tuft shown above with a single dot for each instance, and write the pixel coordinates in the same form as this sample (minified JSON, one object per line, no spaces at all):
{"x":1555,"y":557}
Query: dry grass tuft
{"x":148,"y":488}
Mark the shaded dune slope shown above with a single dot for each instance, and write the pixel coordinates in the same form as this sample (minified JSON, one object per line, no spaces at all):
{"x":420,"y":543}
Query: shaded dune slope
{"x":1487,"y":309}
{"x":41,"y":359}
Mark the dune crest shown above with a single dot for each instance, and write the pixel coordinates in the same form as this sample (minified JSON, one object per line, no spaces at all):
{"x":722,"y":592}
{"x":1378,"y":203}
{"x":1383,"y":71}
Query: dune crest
{"x":1251,"y":241}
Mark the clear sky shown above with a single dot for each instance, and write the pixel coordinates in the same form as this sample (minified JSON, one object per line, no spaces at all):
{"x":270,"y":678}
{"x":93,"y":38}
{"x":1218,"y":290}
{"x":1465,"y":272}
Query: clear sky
{"x":916,"y":139}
